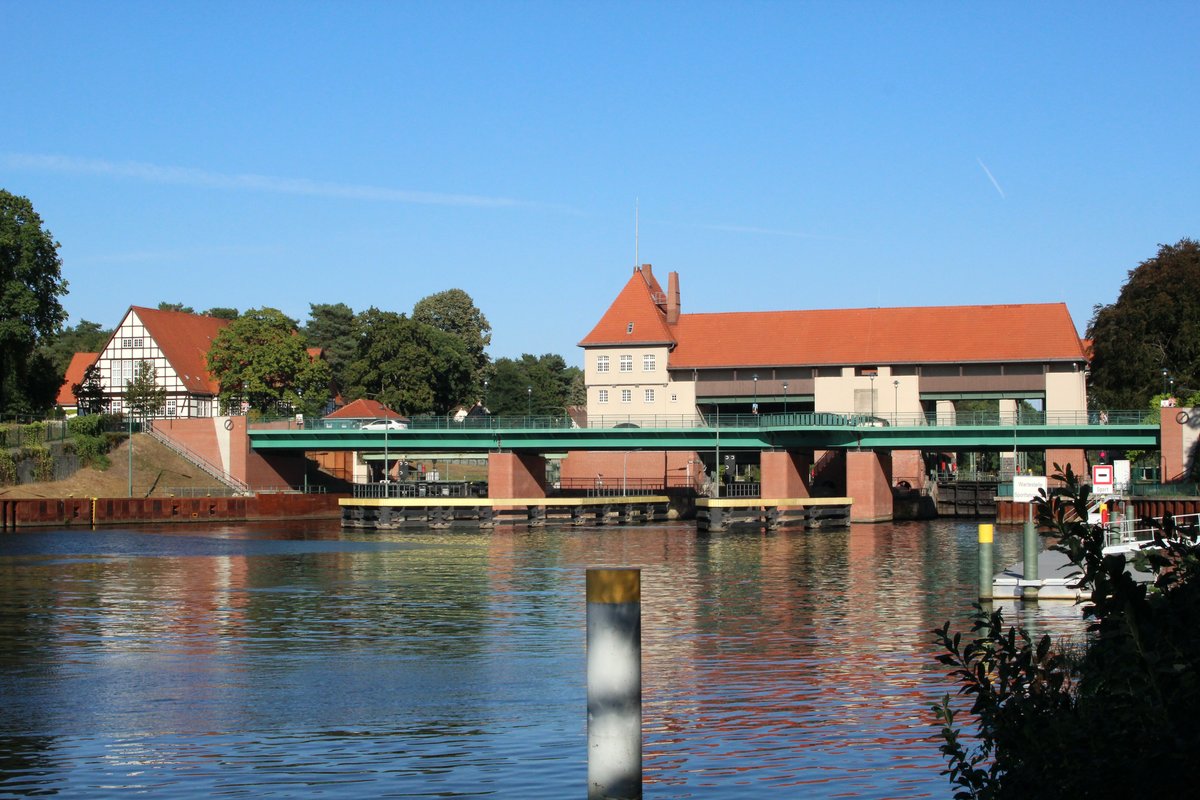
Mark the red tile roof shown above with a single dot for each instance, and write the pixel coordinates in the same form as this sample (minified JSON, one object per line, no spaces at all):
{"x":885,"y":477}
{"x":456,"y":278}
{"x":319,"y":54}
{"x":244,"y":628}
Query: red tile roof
{"x":919,"y":335}
{"x":365,"y":408}
{"x":866,"y":336}
{"x":79,"y":364}
{"x":642,"y":304}
{"x":185,"y":340}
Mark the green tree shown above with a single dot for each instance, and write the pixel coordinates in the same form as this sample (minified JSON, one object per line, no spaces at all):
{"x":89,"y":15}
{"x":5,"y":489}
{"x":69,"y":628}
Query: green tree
{"x":1114,"y":718}
{"x":89,"y":392}
{"x":541,"y":385}
{"x":30,"y":312}
{"x":1153,"y":326}
{"x":332,"y":328}
{"x":409,"y":367}
{"x":454,"y":312}
{"x":261,"y":360}
{"x":222,"y":312}
{"x":86,"y":337}
{"x":143,"y":395}
{"x":176,"y":307}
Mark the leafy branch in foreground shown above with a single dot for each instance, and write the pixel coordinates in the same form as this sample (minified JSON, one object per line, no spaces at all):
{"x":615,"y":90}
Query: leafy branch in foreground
{"x":1122,"y":715}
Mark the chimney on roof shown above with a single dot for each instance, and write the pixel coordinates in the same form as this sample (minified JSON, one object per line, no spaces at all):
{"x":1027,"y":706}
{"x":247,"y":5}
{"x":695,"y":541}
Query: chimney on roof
{"x":647,"y":273}
{"x":672,"y":298}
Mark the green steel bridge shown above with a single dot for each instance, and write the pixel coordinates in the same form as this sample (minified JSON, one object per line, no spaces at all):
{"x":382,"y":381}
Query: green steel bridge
{"x":962,"y":432}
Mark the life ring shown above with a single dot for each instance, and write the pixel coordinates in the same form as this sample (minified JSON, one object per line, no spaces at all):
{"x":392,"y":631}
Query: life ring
{"x":229,"y":424}
{"x":1182,"y":418}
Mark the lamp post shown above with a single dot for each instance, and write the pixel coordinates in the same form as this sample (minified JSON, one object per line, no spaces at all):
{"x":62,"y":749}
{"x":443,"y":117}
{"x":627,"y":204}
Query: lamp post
{"x":130,"y":417}
{"x":485,"y":395}
{"x":872,"y":395}
{"x":625,"y":472}
{"x":785,"y":397}
{"x":754,"y":378}
{"x":528,"y":401}
{"x":1164,"y":380}
{"x":896,"y":399}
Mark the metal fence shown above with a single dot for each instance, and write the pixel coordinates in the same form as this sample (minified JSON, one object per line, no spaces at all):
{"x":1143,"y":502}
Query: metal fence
{"x":1023,"y":418}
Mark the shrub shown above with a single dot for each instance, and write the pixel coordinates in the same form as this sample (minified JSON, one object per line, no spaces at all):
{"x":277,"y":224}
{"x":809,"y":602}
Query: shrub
{"x":1115,"y":720}
{"x":8,"y":468}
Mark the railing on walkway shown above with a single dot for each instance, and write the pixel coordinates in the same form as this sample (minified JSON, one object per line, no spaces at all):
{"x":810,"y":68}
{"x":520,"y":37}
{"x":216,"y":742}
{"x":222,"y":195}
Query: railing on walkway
{"x":1125,"y":535}
{"x":788,"y":420}
{"x":431,"y":489}
{"x":200,"y":461}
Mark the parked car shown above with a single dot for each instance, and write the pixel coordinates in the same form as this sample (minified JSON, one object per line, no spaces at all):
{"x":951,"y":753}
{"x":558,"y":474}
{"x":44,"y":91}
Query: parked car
{"x":384,"y":425}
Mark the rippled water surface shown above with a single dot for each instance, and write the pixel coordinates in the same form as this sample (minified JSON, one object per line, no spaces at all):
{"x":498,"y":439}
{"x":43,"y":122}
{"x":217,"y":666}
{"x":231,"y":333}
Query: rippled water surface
{"x":276,"y":661}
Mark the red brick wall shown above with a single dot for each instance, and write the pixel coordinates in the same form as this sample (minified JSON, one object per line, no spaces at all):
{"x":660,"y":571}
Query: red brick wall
{"x":137,"y":510}
{"x":908,"y":465}
{"x":516,"y":475}
{"x":785,"y":474}
{"x":869,"y":484}
{"x":1068,"y":456}
{"x":665,"y":468}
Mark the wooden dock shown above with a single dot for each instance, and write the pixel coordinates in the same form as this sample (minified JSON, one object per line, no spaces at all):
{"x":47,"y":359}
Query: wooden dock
{"x":716,"y":514}
{"x":397,"y":513}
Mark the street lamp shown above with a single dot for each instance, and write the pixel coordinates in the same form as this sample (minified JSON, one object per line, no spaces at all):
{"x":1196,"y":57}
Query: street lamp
{"x":485,"y":395}
{"x":872,"y":394}
{"x":528,"y":401}
{"x":1164,"y":380}
{"x":717,"y":468}
{"x":130,"y":417}
{"x":896,"y":402}
{"x":625,"y":472}
{"x":785,"y":397}
{"x":754,"y":377}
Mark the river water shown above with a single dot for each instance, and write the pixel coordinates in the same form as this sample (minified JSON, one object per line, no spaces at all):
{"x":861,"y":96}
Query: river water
{"x":307,"y":661}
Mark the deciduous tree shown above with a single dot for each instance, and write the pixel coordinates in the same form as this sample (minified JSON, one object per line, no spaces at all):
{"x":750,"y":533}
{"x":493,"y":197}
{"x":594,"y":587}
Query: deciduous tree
{"x":454,"y":312}
{"x":89,"y":392}
{"x":408,"y":366}
{"x":542,"y":385}
{"x":260,"y":359}
{"x":144,"y":397}
{"x":30,"y":311}
{"x":1153,"y":326}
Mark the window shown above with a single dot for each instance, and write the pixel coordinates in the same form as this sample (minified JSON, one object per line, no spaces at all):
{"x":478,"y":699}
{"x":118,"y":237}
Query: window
{"x":132,"y":343}
{"x":122,"y":373}
{"x":648,"y":362}
{"x":601,"y":363}
{"x":170,"y":408}
{"x":627,"y":395}
{"x":649,"y":395}
{"x":629,"y":328}
{"x":674,"y":397}
{"x":602,"y":396}
{"x":626,"y":363}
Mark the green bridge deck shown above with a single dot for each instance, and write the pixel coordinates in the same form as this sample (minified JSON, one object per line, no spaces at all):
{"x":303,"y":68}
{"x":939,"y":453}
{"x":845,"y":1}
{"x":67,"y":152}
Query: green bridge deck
{"x":797,"y":431}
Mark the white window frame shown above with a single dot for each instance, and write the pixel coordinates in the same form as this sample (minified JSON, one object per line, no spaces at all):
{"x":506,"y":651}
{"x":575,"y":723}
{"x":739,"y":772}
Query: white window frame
{"x":626,"y":363}
{"x":602,"y":363}
{"x":648,"y":362}
{"x":602,"y":396}
{"x":627,"y":395}
{"x":648,"y":396}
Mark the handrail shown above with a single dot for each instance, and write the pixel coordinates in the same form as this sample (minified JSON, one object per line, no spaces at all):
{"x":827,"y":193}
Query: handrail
{"x":199,"y":460}
{"x":809,"y":419}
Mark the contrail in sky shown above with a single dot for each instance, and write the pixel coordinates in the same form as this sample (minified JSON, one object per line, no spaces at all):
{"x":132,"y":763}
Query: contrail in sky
{"x":991,"y":178}
{"x":187,"y":176}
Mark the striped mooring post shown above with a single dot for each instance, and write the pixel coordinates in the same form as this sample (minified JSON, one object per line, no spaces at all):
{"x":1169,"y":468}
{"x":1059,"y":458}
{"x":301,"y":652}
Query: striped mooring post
{"x":985,"y":561}
{"x":614,"y":683}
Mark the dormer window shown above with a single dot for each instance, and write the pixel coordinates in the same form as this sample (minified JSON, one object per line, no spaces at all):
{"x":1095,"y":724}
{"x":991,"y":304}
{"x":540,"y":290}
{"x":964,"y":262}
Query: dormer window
{"x":629,"y":328}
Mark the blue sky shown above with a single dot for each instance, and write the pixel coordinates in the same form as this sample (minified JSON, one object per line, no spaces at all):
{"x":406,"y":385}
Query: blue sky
{"x":783,"y":155}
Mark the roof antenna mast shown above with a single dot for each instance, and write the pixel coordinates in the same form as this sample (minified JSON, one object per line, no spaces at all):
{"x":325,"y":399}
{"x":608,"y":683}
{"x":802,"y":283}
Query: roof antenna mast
{"x":636,"y":214}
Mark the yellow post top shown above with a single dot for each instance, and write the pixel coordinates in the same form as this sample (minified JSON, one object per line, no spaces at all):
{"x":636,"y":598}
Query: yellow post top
{"x":614,"y":585}
{"x":985,"y":533}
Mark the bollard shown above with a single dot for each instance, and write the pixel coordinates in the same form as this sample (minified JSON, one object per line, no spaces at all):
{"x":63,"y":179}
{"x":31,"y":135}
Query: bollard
{"x":986,"y":577}
{"x":614,"y":683}
{"x":1030,"y":557}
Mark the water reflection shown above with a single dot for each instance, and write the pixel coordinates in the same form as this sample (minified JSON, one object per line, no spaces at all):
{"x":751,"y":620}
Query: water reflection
{"x":237,"y":660}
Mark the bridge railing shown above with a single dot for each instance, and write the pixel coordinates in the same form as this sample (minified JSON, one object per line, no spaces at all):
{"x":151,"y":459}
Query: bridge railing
{"x":792,"y":419}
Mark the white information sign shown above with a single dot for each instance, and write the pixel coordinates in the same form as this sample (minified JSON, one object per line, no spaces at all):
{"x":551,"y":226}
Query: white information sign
{"x":1122,"y":475}
{"x":1027,"y":487}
